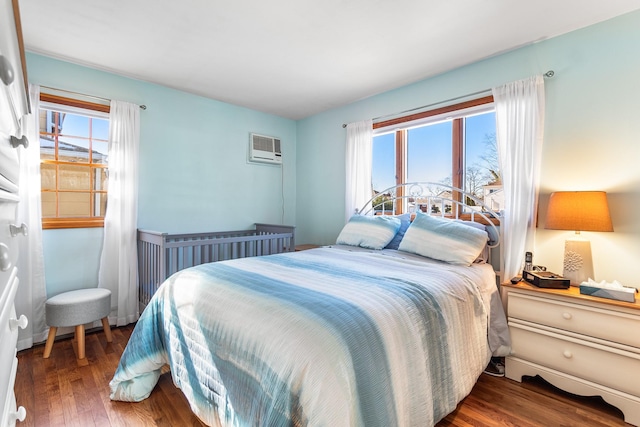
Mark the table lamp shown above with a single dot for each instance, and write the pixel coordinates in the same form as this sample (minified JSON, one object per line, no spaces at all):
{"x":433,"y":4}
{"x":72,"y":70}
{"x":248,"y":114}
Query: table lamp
{"x":578,"y":211}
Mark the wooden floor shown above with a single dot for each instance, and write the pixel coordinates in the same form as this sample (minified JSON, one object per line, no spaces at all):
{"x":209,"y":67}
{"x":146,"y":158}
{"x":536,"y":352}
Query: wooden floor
{"x":58,"y":392}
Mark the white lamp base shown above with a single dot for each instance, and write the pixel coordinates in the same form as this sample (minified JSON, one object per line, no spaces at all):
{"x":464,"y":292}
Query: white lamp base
{"x":578,"y":265}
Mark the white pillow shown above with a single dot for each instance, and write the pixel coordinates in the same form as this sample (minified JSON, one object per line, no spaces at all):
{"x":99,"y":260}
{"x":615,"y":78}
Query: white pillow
{"x":373,"y":232}
{"x":443,"y":239}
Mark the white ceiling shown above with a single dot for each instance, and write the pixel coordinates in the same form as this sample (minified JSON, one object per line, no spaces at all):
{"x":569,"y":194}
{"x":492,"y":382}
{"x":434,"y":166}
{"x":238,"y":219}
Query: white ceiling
{"x":295,"y":58}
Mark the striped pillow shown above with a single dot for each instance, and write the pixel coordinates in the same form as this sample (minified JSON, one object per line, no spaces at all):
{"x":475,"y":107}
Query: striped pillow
{"x":442,"y":239}
{"x":373,"y":232}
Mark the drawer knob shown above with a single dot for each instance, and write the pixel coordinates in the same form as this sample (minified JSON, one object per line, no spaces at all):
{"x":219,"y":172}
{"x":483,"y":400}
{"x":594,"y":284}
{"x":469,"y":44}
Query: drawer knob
{"x":5,"y":262}
{"x":567,"y":316}
{"x":16,"y":142}
{"x":6,"y":71}
{"x":19,"y":415}
{"x":567,"y":354}
{"x":15,"y":230}
{"x":21,"y":323}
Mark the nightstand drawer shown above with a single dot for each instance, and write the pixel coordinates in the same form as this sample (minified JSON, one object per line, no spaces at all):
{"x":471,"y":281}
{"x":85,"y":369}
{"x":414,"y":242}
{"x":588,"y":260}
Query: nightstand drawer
{"x":609,"y":367}
{"x":610,"y":325}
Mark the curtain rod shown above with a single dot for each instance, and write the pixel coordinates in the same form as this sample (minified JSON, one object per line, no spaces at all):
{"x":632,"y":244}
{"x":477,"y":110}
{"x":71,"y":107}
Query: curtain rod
{"x":144,"y":107}
{"x":548,"y":74}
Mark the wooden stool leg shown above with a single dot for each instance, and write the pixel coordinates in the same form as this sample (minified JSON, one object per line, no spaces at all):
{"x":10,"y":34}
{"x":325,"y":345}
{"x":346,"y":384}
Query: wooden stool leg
{"x":107,"y":329}
{"x":80,"y":340}
{"x":49,"y":345}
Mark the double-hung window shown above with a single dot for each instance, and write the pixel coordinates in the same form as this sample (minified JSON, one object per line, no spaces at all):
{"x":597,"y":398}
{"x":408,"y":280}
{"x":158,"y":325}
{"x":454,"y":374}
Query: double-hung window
{"x":453,"y":145}
{"x":73,"y":162}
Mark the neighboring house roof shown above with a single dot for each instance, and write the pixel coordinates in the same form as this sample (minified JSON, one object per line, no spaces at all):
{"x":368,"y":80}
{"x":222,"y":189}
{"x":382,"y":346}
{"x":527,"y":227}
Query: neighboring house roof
{"x":48,"y":145}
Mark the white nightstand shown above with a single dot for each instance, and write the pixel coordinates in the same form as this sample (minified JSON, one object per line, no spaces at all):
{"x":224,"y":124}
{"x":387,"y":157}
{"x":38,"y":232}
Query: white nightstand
{"x":585,"y":345}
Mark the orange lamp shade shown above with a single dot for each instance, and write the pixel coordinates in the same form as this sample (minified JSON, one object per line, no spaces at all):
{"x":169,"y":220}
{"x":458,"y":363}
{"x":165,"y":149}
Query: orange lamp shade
{"x":578,"y":211}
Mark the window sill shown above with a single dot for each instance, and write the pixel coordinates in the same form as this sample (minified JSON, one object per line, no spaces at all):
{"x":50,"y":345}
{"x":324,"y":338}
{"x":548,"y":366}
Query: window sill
{"x":53,"y":223}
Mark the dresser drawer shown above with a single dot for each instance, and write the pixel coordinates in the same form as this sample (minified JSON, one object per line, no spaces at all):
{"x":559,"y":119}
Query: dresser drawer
{"x":13,"y":96}
{"x":613,"y":368}
{"x":9,"y":167}
{"x":8,"y":336}
{"x":610,"y":325}
{"x":8,"y":243}
{"x":7,"y":418}
{"x":8,"y":250}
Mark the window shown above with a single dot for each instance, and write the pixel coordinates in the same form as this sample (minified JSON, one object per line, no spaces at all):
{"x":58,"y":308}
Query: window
{"x":73,"y":162}
{"x":454,"y":145}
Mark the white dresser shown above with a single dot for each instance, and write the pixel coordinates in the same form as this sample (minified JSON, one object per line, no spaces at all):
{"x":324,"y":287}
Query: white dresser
{"x":584,"y":345}
{"x":13,"y":106}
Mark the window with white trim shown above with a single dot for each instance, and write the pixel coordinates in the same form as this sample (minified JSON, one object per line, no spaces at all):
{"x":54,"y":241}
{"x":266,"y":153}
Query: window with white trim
{"x":73,"y":162}
{"x":454,"y":145}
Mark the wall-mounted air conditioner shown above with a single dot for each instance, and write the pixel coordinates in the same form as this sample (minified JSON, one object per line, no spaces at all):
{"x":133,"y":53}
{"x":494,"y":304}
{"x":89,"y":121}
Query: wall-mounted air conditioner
{"x":264,"y":149}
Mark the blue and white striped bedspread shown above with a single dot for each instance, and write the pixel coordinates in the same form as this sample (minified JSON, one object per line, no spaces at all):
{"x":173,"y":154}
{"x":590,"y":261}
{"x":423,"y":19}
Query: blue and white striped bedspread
{"x":325,"y":337}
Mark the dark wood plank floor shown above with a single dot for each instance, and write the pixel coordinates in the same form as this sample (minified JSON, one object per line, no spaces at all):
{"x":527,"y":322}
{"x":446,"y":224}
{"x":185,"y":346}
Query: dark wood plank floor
{"x":58,"y":392}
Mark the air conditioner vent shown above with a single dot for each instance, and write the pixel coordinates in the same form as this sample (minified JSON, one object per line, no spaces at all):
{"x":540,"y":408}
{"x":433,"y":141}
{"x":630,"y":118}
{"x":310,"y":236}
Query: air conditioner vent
{"x":264,"y":149}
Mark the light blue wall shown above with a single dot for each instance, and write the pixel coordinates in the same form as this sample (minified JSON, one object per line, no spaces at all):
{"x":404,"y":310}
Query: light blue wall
{"x":71,"y":258}
{"x":193,"y":176}
{"x":591,"y":137}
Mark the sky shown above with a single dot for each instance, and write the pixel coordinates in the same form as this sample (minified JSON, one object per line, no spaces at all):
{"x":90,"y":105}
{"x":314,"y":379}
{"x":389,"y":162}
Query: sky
{"x":429,"y":151}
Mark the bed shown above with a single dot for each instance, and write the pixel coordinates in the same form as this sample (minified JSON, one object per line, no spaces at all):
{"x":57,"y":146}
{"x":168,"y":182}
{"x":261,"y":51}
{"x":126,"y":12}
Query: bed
{"x":343,"y":335}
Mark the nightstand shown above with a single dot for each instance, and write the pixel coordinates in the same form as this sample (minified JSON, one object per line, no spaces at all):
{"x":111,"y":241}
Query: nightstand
{"x":584,"y":345}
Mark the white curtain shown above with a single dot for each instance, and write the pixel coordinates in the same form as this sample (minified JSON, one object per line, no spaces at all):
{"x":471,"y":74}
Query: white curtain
{"x":359,"y":153}
{"x":119,"y":259}
{"x":32,"y":292}
{"x":519,"y":128}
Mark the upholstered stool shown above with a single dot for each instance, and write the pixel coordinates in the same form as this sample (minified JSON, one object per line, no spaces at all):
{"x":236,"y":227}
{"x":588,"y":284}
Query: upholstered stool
{"x":75,"y":308}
